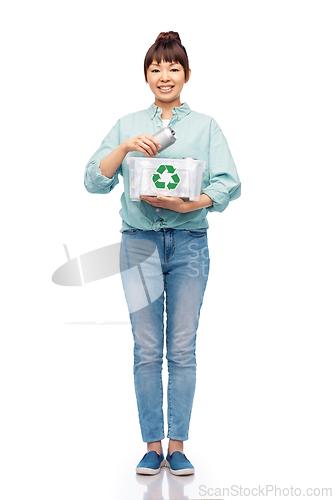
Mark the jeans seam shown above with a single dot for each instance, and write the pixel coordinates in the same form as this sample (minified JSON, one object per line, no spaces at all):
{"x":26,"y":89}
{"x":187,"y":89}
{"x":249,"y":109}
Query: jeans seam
{"x":165,"y":252}
{"x":167,"y":345}
{"x":161,"y":381}
{"x":173,"y":244}
{"x":195,"y":235}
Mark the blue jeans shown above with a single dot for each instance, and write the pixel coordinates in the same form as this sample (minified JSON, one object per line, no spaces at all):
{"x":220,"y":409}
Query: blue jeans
{"x":168,"y":266}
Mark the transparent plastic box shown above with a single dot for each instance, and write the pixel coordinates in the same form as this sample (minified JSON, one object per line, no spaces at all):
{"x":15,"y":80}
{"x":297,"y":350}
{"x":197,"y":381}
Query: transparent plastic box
{"x":165,"y":177}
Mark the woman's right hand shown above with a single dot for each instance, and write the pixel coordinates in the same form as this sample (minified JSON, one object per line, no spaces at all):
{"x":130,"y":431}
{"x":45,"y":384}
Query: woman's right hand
{"x":144,"y":143}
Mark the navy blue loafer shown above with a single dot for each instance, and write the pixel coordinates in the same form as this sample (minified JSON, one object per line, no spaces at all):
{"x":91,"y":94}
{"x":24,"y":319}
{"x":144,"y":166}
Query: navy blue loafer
{"x":150,"y":464}
{"x":179,"y":465}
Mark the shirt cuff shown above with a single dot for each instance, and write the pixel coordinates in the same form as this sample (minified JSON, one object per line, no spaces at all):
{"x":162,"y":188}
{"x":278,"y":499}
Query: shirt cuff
{"x":95,"y":181}
{"x":220,"y":200}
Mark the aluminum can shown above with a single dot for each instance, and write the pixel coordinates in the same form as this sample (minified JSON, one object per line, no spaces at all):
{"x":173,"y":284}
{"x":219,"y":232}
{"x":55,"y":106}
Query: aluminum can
{"x":166,"y":137}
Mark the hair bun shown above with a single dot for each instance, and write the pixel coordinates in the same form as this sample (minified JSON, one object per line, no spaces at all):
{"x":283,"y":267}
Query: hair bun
{"x":168,"y":35}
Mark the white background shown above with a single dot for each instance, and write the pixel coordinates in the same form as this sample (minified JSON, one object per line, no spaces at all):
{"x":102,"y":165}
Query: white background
{"x":263,"y":406}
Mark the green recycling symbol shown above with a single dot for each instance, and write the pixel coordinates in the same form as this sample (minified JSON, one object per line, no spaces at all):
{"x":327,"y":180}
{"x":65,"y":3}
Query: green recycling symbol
{"x":160,"y":178}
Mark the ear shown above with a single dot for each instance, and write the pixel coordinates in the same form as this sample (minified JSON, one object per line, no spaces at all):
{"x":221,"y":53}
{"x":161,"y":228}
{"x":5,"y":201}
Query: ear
{"x":189,"y":74}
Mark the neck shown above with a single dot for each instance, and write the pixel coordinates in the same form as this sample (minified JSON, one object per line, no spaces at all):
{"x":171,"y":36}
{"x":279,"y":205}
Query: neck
{"x":167,"y":107}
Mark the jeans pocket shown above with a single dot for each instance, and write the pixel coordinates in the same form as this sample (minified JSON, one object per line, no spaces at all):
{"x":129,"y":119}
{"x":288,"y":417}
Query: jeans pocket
{"x":197,"y":233}
{"x":131,"y":231}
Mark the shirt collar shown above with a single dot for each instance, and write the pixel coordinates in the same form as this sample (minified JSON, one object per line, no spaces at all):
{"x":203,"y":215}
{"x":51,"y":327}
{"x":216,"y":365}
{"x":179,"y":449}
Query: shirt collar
{"x":180,"y":111}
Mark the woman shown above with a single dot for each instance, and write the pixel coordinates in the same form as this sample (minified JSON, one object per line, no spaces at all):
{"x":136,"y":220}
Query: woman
{"x":178,"y":229}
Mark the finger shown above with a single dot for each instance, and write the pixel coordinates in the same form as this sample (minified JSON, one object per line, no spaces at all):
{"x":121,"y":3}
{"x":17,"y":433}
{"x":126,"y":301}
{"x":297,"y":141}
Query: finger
{"x":151,"y":147}
{"x":149,"y":199}
{"x":153,"y":143}
{"x":152,"y":203}
{"x":142,"y":150}
{"x":153,"y":139}
{"x":146,"y":150}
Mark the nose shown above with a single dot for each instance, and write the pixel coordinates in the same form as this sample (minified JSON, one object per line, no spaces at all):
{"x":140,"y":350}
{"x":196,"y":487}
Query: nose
{"x":164,"y":76}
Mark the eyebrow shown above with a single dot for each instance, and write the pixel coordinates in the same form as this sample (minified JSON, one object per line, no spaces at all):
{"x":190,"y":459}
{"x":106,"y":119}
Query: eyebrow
{"x":158,"y":64}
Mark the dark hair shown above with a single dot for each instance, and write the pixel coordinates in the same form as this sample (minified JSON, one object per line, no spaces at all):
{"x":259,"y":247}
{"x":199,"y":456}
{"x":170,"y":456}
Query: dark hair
{"x":169,"y":48}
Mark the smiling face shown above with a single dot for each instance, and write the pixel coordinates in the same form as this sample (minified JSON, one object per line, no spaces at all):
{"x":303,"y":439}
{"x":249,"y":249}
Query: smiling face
{"x":166,"y":81}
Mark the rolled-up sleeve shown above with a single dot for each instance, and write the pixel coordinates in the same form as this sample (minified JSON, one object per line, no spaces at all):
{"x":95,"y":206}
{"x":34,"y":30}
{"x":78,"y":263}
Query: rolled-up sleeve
{"x":94,"y":180}
{"x":224,"y":183}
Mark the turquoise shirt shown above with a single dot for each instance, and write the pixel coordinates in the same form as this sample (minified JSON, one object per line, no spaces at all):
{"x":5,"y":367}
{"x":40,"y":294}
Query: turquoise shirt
{"x":198,"y":136}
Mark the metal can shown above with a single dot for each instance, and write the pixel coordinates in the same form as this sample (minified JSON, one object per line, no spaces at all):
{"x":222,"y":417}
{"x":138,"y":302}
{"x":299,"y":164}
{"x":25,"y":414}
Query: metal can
{"x":166,"y":137}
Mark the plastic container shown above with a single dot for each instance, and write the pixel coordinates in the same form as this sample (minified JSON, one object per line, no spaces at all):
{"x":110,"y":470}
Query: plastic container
{"x":165,"y":177}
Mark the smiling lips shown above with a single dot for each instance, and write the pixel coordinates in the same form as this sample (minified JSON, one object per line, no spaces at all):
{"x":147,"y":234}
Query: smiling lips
{"x":165,"y":88}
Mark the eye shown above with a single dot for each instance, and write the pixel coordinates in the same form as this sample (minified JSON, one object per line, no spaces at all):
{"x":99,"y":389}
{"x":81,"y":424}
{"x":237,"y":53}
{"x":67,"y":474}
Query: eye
{"x":154,"y":70}
{"x":175,"y":69}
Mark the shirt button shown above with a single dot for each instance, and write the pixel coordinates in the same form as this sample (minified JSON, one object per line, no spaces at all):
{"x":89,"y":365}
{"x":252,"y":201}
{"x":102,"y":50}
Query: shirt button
{"x":159,"y":124}
{"x":157,"y":209}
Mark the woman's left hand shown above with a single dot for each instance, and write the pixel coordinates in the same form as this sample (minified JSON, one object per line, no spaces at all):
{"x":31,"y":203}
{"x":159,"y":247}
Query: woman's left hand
{"x":170,"y":202}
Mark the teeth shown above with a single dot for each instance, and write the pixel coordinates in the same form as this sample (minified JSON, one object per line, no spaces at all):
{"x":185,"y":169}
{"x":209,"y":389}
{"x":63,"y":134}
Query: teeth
{"x":165,"y":88}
